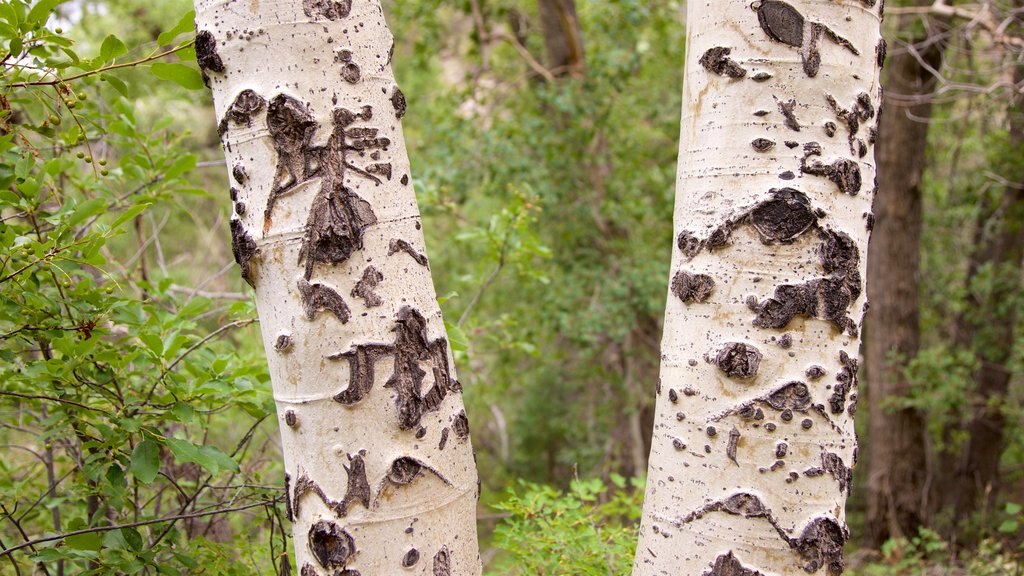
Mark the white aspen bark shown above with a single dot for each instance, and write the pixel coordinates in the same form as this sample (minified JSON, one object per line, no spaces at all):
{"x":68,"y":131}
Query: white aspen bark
{"x":754,"y":438}
{"x":381,"y":478}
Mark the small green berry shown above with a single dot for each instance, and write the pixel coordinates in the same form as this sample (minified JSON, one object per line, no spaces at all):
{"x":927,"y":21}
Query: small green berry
{"x":104,"y":172}
{"x":54,"y":119}
{"x":80,"y":155}
{"x":103,"y":161}
{"x":88,"y":159}
{"x":58,"y":30}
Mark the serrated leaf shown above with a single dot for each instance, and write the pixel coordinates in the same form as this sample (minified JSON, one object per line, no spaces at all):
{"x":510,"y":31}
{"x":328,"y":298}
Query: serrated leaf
{"x":1009,"y":527}
{"x":179,"y":73}
{"x":186,"y":24}
{"x":1012,"y":508}
{"x":145,"y":461}
{"x":87,"y":209}
{"x":112,"y":47}
{"x":209,"y":458}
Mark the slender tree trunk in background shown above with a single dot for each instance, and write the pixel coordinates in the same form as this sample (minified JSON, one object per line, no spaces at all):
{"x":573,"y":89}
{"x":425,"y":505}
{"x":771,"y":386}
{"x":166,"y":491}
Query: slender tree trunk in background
{"x":994,"y":323}
{"x":563,"y":39}
{"x":897,"y":460}
{"x":754,"y":438}
{"x":380,"y":477}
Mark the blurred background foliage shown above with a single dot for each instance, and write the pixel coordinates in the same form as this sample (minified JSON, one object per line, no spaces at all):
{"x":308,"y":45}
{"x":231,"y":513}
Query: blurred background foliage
{"x":134,"y":398}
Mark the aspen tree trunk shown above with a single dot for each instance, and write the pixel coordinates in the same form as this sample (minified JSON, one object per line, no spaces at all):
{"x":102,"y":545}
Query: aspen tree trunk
{"x":897,"y":457}
{"x":753,"y":438}
{"x":380,"y":476}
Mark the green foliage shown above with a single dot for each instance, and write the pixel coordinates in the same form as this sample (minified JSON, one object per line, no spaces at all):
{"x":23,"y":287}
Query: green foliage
{"x":128,"y":411}
{"x":590,"y":529}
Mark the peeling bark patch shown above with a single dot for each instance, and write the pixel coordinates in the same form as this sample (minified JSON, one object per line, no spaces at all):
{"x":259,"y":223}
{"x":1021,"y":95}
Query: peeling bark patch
{"x":692,"y":287}
{"x":206,"y":53}
{"x":861,"y":111}
{"x":815,"y":372}
{"x":843,"y":172}
{"x":244,"y":249}
{"x":781,"y":449}
{"x":783,"y":218}
{"x":730,"y":449}
{"x":717,"y":60}
{"x":331,"y":545}
{"x":398,"y":245}
{"x":444,"y":439}
{"x":411,"y":558}
{"x":291,"y":419}
{"x":366,"y":285}
{"x":788,"y":109}
{"x":739,"y":360}
{"x":762,"y":144}
{"x":442,"y":563}
{"x":318,"y":297}
{"x":728,"y":565}
{"x":329,"y":9}
{"x":761,"y":77}
{"x":398,"y":101}
{"x":880,"y":52}
{"x":821,"y":545}
{"x":461,"y":425}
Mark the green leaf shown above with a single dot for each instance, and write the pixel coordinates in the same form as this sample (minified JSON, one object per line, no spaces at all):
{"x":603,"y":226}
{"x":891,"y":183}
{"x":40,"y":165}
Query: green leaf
{"x":145,"y":461}
{"x":180,"y":166}
{"x":1012,"y":508}
{"x":1009,"y":527}
{"x":181,"y":74}
{"x":128,"y":215}
{"x":87,"y":209}
{"x":87,"y":541}
{"x":209,"y":458}
{"x":117,"y":84}
{"x":112,"y":47}
{"x":186,"y":24}
{"x":41,"y":12}
{"x":457,"y":337}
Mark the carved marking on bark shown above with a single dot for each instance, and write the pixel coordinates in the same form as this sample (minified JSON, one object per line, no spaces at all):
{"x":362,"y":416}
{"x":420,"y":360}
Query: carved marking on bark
{"x":692,"y":288}
{"x":398,"y":101}
{"x":319,"y":297}
{"x":361,"y":359}
{"x":717,"y":60}
{"x":329,"y":9}
{"x":783,"y":23}
{"x":365,"y":287}
{"x":442,"y":563}
{"x":738,"y":360}
{"x":398,"y":245}
{"x":783,"y":218}
{"x":728,"y":565}
{"x":788,"y":109}
{"x":206,"y":55}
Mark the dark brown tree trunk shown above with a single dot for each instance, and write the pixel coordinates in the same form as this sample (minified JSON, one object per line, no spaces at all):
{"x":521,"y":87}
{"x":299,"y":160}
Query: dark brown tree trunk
{"x":897,"y":450}
{"x":994,"y":326}
{"x":563,"y":39}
